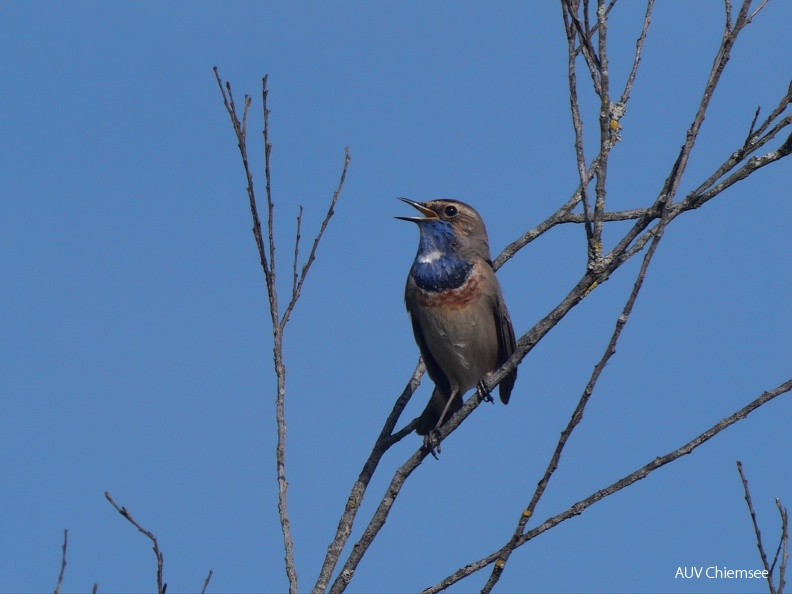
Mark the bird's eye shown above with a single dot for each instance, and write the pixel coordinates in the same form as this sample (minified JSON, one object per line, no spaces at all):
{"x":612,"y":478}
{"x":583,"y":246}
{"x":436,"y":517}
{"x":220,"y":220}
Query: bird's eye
{"x":450,"y":211}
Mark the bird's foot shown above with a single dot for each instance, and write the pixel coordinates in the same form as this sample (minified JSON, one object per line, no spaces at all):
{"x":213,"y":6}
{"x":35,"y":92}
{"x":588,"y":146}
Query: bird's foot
{"x":431,"y":442}
{"x":484,"y":391}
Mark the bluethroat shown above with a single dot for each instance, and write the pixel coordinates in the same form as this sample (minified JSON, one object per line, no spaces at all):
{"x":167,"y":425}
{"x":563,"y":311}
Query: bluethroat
{"x":458,"y":314}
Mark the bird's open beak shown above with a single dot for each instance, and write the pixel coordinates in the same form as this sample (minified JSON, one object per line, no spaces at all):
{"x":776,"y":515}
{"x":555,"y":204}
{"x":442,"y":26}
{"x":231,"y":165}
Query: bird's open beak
{"x":427,"y":212}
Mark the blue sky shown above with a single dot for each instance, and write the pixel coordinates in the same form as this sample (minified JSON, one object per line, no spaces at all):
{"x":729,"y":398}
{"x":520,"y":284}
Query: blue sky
{"x":136,"y":349}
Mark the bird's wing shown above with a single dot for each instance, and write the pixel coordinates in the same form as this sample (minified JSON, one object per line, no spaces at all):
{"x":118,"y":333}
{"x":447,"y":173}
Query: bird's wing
{"x":506,"y":346}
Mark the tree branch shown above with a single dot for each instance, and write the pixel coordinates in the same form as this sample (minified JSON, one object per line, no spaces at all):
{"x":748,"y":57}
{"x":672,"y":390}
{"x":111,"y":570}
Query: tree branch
{"x":758,"y":533}
{"x":385,"y":440}
{"x":574,"y":30}
{"x":296,"y":253}
{"x":268,"y":266}
{"x":783,"y":543}
{"x":783,"y":546}
{"x":577,"y":415}
{"x":206,"y":581}
{"x":579,"y":507}
{"x":607,"y":134}
{"x":161,"y":587}
{"x":631,"y":243}
{"x":63,"y":561}
{"x":312,"y":256}
{"x":637,"y":58}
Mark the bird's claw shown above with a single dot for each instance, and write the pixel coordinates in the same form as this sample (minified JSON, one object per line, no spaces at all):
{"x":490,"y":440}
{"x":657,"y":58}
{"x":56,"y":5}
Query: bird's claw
{"x":431,"y":443}
{"x":484,"y":391}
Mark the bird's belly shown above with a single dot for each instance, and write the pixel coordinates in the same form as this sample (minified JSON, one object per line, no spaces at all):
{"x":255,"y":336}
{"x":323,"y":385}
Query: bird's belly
{"x":463,"y":340}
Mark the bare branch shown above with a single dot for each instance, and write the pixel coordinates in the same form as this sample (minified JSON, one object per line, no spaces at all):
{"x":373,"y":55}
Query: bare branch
{"x":620,"y":254}
{"x":312,"y":256}
{"x":270,"y":206}
{"x":610,"y":113}
{"x":781,"y":107}
{"x":575,"y":27}
{"x":157,"y":553}
{"x":277,"y":349}
{"x":577,"y":415}
{"x":758,"y":533}
{"x":555,"y":219}
{"x":729,"y":37}
{"x":378,"y":520}
{"x":296,"y":252}
{"x":579,"y":507}
{"x":694,"y":199}
{"x":755,"y":12}
{"x":523,"y":346}
{"x":637,"y":59}
{"x":607,"y":136}
{"x":634,"y":241}
{"x":595,"y":28}
{"x":607,"y":216}
{"x":783,"y":546}
{"x":63,"y":561}
{"x":267,"y":257}
{"x":206,"y":581}
{"x":241,"y":134}
{"x":753,"y":125}
{"x":573,"y":30}
{"x":385,"y":440}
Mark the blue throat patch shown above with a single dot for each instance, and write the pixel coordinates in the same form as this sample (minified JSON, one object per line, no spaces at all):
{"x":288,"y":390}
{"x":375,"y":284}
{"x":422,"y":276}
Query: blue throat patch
{"x":434,"y":272}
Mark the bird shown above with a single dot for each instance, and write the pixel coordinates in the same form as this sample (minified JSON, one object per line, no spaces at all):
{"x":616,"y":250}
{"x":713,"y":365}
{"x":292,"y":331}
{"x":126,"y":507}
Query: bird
{"x":456,"y":306}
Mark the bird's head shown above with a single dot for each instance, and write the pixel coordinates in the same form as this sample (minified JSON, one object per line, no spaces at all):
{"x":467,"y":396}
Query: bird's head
{"x":450,"y":226}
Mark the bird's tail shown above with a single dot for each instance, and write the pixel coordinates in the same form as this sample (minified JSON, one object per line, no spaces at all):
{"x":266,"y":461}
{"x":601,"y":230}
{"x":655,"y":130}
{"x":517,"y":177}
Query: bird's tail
{"x":431,"y":414}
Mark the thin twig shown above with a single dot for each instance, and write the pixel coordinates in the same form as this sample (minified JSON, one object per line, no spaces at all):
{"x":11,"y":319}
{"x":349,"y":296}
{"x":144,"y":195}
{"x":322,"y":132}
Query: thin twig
{"x":595,"y":28}
{"x":753,"y":125}
{"x":573,"y":31}
{"x":312,"y":256}
{"x":783,"y":546}
{"x":758,"y":533}
{"x":633,"y":242}
{"x":588,"y":282}
{"x":671,"y":185}
{"x":241,"y":134}
{"x":782,"y":105}
{"x":637,"y":58}
{"x":755,"y":12}
{"x":753,"y":142}
{"x":403,"y":472}
{"x":384,"y":441}
{"x":607,"y":216}
{"x":377,"y":521}
{"x":161,"y":587}
{"x":63,"y":561}
{"x":556,"y":218}
{"x":571,"y":8}
{"x":270,"y":204}
{"x":267,"y":258}
{"x":296,"y":252}
{"x":579,"y":507}
{"x":206,"y":581}
{"x":577,"y":415}
{"x":607,"y":134}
